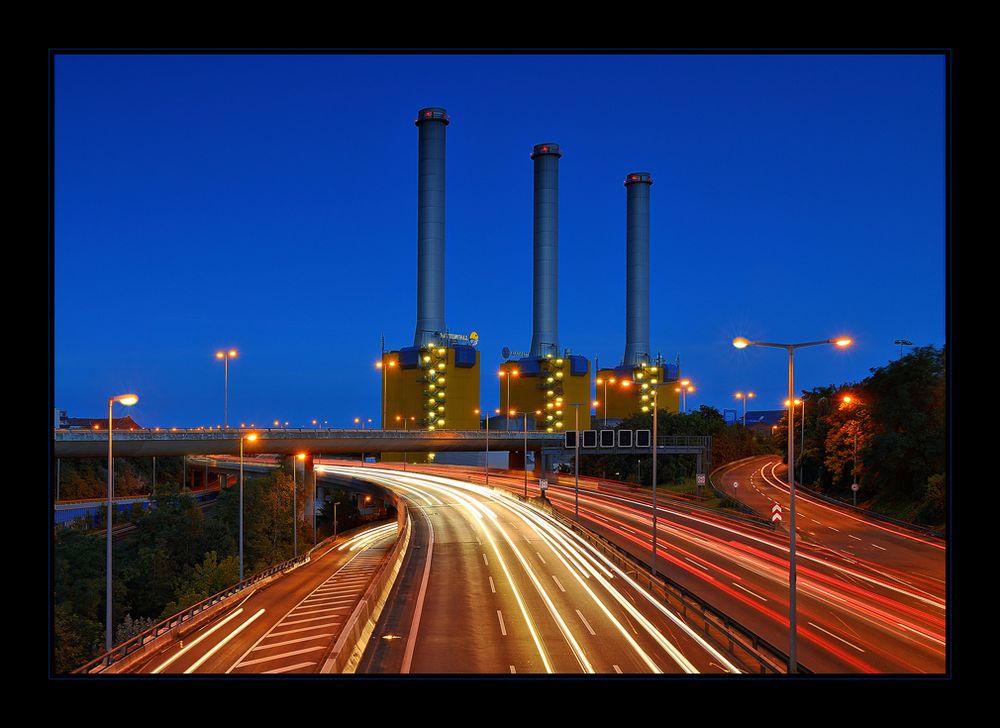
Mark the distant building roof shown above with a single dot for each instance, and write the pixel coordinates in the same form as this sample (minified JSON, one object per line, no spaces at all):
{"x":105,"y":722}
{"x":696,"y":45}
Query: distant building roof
{"x":99,"y":423}
{"x":764,"y":417}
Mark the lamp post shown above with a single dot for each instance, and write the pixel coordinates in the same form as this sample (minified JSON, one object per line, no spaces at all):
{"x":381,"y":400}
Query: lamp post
{"x":741,"y":343}
{"x":901,"y":343}
{"x":656,"y":388}
{"x":226,"y":356}
{"x":405,"y":421}
{"x":848,"y":399}
{"x":802,"y":444}
{"x":606,"y":381}
{"x":128,"y":400}
{"x":514,"y":412}
{"x":295,"y":509}
{"x":252,"y":437}
{"x":576,"y":461}
{"x":510,"y":375}
{"x":744,"y":397}
{"x":381,"y":367}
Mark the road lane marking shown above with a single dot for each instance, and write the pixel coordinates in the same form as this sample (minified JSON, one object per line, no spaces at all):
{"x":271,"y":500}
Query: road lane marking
{"x":540,"y":558}
{"x":815,"y":521}
{"x":854,"y":537}
{"x":617,"y":669}
{"x":195,"y":642}
{"x":304,"y":629}
{"x":307,"y":619}
{"x":836,"y":637}
{"x":512,"y":670}
{"x":877,"y":546}
{"x":695,"y":563}
{"x":586,"y":623}
{"x":220,"y":644}
{"x":316,"y":611}
{"x":749,"y":592}
{"x":411,"y":639}
{"x":290,"y":642}
{"x":492,"y":587}
{"x":503,"y":629}
{"x":271,"y":658}
{"x":278,"y":670}
{"x":834,"y":529}
{"x":561,"y":587}
{"x":484,"y":559}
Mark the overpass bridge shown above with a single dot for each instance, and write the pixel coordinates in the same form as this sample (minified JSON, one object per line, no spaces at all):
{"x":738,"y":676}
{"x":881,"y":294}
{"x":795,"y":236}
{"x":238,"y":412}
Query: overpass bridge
{"x":151,"y":443}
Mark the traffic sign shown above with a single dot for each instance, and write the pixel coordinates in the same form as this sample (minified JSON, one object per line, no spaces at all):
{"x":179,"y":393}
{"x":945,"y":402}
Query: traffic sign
{"x":700,"y":479}
{"x":775,"y":512}
{"x":543,"y":484}
{"x":855,"y":487}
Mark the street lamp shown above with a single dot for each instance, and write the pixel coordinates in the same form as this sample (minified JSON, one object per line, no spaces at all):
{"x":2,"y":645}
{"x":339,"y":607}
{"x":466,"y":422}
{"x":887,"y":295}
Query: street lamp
{"x":295,"y":508}
{"x":901,"y":343}
{"x":802,"y":444}
{"x":252,"y":437}
{"x":606,"y":381}
{"x":514,"y":412}
{"x":510,"y":375}
{"x":744,"y":397}
{"x":576,"y":461}
{"x":379,"y":365}
{"x":848,"y":399}
{"x":741,"y":343}
{"x":226,"y":356}
{"x":497,"y":411}
{"x":405,"y":422}
{"x":128,"y":400}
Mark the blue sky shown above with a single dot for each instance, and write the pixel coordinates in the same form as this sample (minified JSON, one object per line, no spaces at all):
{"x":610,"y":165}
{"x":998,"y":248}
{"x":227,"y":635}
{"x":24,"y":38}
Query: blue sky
{"x":268,"y":203}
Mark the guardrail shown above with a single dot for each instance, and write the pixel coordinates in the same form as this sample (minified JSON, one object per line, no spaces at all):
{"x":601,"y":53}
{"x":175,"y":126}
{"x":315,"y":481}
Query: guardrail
{"x":715,"y":624}
{"x":346,"y":652}
{"x":870,"y":514}
{"x":125,"y":649}
{"x":838,"y":502}
{"x":739,"y":504}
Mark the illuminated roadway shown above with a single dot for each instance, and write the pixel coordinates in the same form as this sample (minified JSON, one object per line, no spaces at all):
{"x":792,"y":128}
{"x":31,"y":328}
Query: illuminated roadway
{"x":493,"y":586}
{"x":287,"y":626}
{"x":870,"y":596}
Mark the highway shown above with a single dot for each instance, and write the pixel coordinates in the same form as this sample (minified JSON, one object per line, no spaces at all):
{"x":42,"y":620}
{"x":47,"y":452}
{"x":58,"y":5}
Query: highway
{"x":289,"y":625}
{"x":492,"y":586}
{"x":860,"y":610}
{"x":760,"y":485}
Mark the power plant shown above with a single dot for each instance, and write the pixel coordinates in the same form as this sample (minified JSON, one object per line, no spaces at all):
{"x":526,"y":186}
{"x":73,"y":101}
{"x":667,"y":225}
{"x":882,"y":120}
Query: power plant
{"x":548,"y":384}
{"x":629,"y":387}
{"x":435,"y":383}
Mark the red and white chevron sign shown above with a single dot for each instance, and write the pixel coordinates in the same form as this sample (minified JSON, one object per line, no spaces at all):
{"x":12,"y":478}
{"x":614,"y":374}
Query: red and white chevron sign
{"x":775,"y":513}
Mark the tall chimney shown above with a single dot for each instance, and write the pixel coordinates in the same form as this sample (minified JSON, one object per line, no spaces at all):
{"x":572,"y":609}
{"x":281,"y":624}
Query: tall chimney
{"x":544,"y":315}
{"x":637,"y":186}
{"x":431,"y":123}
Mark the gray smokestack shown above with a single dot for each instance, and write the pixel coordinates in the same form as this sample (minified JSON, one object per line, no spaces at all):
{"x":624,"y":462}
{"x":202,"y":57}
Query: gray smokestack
{"x":637,"y":187}
{"x":430,"y":225}
{"x":544,"y":315}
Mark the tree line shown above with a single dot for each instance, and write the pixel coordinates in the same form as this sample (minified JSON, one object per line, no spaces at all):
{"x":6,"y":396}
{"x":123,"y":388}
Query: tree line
{"x":894,"y":420}
{"x":178,"y":555}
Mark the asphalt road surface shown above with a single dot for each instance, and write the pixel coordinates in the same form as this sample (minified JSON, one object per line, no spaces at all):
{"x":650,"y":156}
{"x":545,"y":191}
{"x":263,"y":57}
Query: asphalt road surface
{"x":491,"y":586}
{"x":870,"y":597}
{"x":288,"y":625}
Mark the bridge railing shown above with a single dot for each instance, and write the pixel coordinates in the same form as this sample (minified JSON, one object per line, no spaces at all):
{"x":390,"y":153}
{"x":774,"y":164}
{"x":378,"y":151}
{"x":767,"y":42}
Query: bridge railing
{"x":715,"y":624}
{"x":119,"y":652}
